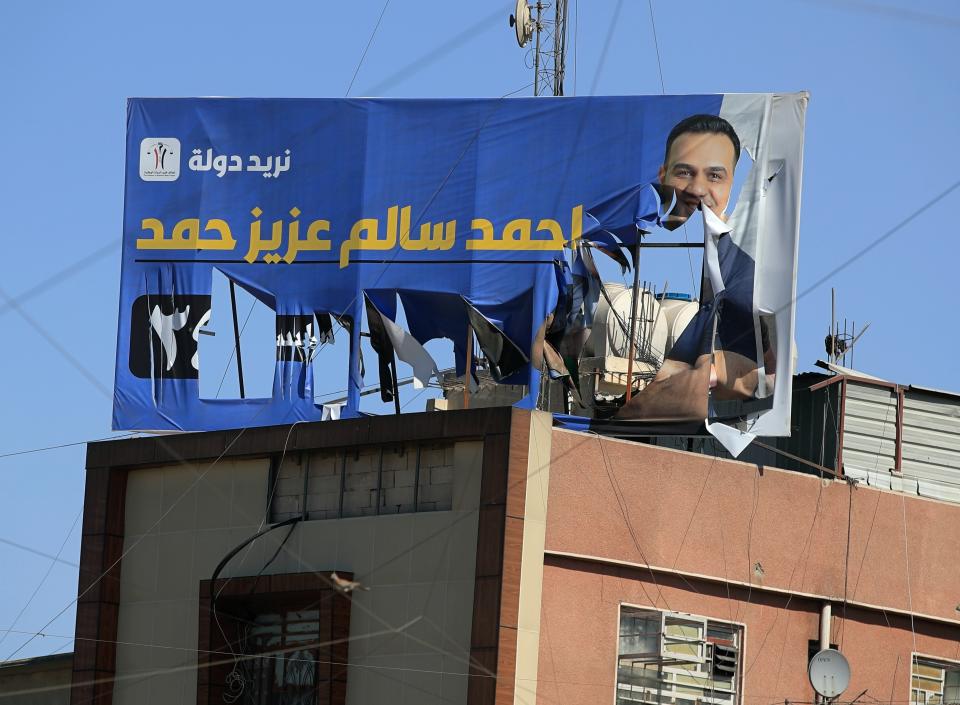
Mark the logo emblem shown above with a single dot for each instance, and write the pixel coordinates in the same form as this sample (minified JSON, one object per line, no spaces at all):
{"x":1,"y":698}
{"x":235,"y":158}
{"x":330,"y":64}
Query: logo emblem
{"x":160,"y":159}
{"x":163,"y":335}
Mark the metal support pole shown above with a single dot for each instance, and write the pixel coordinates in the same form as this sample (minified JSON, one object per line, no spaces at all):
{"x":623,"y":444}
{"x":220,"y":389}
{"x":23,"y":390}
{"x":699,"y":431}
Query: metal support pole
{"x":536,"y":54}
{"x":396,"y":390}
{"x":236,"y":337}
{"x":826,"y":612}
{"x":633,"y":317}
{"x":466,"y":376}
{"x":833,"y":318}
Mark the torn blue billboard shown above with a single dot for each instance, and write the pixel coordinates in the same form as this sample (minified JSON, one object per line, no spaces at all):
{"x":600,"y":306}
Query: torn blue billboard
{"x":335,"y":211}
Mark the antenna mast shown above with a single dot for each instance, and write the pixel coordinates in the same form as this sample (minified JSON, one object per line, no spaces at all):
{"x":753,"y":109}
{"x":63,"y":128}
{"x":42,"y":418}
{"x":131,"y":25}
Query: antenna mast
{"x":549,"y":42}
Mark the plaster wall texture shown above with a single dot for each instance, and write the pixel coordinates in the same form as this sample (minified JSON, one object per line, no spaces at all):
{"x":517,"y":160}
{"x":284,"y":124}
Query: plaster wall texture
{"x":721,"y":518}
{"x":757,"y":546}
{"x":418,"y":566}
{"x":579,"y":625}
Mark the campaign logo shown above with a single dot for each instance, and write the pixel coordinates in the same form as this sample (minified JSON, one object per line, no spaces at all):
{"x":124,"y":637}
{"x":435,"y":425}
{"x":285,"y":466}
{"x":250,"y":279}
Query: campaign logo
{"x":160,"y":159}
{"x":163,"y":335}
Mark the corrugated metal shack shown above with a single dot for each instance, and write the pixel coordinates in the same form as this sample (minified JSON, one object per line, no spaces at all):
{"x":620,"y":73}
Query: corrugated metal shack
{"x":891,"y":436}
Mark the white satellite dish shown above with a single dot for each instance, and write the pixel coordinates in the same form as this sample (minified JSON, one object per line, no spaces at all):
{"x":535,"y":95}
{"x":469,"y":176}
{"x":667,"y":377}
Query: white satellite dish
{"x":829,"y":673}
{"x":521,"y":22}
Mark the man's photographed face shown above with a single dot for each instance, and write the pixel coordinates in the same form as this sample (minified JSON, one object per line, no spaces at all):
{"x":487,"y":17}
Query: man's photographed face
{"x":700,"y":167}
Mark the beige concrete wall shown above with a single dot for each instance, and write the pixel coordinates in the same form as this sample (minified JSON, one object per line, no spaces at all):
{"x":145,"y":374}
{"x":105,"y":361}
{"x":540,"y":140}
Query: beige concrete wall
{"x":418,"y":567}
{"x":205,"y":512}
{"x":531,"y":569}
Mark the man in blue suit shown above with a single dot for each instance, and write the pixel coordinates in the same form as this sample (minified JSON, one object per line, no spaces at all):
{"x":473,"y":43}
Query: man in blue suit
{"x":717,"y":352}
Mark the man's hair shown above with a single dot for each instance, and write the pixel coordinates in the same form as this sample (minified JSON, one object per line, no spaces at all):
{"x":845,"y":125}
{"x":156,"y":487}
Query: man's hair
{"x":700,"y":124}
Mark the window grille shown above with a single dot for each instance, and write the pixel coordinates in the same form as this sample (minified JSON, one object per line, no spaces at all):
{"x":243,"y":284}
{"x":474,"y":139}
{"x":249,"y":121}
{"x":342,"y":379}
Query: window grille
{"x":672,"y":658}
{"x":934,"y":682}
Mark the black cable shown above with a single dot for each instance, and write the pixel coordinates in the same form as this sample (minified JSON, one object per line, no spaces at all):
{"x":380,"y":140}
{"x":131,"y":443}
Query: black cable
{"x":233,"y":552}
{"x":367,"y":48}
{"x":67,"y":445}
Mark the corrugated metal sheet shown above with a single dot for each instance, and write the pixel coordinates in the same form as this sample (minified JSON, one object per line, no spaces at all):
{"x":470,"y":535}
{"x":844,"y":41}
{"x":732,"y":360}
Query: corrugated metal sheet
{"x":931,"y":443}
{"x":930,"y":437}
{"x":869,"y":428}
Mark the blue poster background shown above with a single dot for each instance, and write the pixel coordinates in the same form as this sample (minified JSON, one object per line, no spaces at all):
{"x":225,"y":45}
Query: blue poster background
{"x":496,"y":160}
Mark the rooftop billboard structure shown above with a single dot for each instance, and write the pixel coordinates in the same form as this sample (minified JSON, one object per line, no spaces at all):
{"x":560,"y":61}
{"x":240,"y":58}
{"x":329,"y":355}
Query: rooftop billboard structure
{"x":329,"y":209}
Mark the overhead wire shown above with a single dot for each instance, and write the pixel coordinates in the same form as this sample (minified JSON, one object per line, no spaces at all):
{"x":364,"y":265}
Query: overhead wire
{"x":60,"y":276}
{"x":906,"y":560}
{"x":53,"y":562}
{"x":576,"y":34}
{"x":106,"y":393}
{"x":136,"y":543}
{"x":14,"y":305}
{"x":900,"y":13}
{"x":367,"y":48}
{"x":625,"y":513}
{"x":805,"y":292}
{"x":34,"y":551}
{"x":786,"y":606}
{"x":663,"y":91}
{"x":42,"y":449}
{"x":606,"y":47}
{"x":457,"y":41}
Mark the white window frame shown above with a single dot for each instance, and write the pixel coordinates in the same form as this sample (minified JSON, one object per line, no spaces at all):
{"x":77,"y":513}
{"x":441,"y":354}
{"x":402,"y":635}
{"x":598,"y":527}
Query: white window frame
{"x":673,"y":671}
{"x":936,"y":661}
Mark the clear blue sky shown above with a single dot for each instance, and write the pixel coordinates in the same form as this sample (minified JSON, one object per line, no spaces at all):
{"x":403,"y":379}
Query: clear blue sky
{"x":881,"y":141}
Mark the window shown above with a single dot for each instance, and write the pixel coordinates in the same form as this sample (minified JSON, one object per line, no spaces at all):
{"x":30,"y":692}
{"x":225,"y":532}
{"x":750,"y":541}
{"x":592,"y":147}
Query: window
{"x":674,"y":658}
{"x":367,"y":482}
{"x":273,"y":640}
{"x":934,"y":682}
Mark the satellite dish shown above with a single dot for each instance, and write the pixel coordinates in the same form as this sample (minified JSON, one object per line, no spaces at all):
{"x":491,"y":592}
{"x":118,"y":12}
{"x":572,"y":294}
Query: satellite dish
{"x":521,"y":23}
{"x":829,"y":673}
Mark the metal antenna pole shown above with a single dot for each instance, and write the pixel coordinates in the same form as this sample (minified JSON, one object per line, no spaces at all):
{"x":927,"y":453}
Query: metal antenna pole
{"x":633,"y":316}
{"x":833,"y":318}
{"x":559,"y":45}
{"x":853,"y":336}
{"x":236,"y":337}
{"x":393,"y":383}
{"x":536,"y":53}
{"x":466,"y":376}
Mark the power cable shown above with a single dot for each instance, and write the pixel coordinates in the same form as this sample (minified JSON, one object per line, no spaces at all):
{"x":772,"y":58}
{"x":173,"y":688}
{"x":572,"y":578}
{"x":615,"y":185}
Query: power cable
{"x":367,"y":48}
{"x":422,"y":62}
{"x":136,"y":543}
{"x":906,"y":560}
{"x":899,"y":13}
{"x":59,"y":277}
{"x":54,"y":560}
{"x":576,"y":34}
{"x":93,"y":380}
{"x":196,"y":667}
{"x":55,"y":344}
{"x":67,"y":445}
{"x":663,"y":91}
{"x":606,"y":46}
{"x":656,"y":46}
{"x":786,"y":606}
{"x":624,"y":511}
{"x":34,"y":551}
